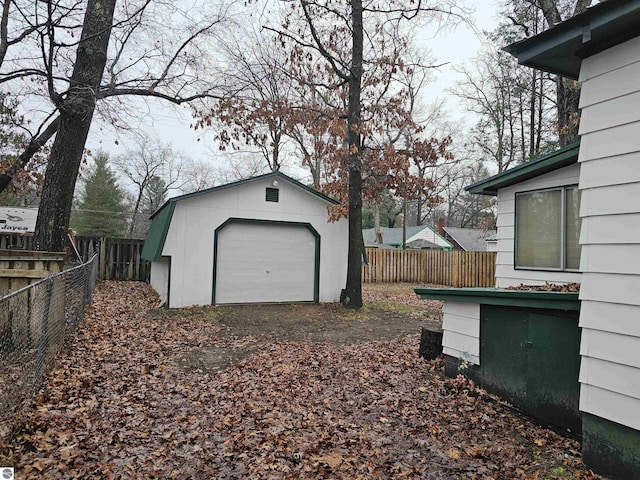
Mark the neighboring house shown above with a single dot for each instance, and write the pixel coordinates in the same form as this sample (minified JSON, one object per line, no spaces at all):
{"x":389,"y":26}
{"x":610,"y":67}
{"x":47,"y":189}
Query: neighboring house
{"x":422,"y":244}
{"x":492,"y":243}
{"x":467,"y":239}
{"x":262,"y":240}
{"x":571,"y":216}
{"x":419,"y":236}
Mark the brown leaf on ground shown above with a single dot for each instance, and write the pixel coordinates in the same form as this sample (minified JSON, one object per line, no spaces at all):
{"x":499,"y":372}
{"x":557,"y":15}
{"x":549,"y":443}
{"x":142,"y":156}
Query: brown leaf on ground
{"x":121,"y":405}
{"x":334,"y":460}
{"x":549,"y":287}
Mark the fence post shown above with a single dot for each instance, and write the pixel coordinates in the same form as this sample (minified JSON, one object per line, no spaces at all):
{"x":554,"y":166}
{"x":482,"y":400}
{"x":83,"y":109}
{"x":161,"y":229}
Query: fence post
{"x":88,"y":287}
{"x":131,"y":256}
{"x":43,"y":345}
{"x":103,"y":258}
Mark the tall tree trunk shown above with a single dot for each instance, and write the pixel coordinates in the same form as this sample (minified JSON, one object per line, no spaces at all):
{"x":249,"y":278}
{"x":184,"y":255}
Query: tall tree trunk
{"x":76,"y":112}
{"x":404,"y":224}
{"x":567,"y":91}
{"x":568,"y":97}
{"x":136,"y":209}
{"x":352,"y":296}
{"x":532,"y":113}
{"x":376,"y":223}
{"x":540,"y":114}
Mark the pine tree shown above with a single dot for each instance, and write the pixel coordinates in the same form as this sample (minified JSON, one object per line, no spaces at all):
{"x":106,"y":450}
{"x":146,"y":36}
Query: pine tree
{"x":100,"y":210}
{"x":152,"y":198}
{"x":154,"y":195}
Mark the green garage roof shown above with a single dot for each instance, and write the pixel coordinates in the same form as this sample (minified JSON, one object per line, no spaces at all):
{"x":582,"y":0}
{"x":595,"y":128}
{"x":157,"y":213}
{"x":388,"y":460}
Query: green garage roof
{"x":154,"y":243}
{"x":161,"y":219}
{"x":538,"y":166}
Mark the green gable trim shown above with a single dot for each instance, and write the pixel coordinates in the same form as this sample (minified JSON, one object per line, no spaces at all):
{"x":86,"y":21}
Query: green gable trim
{"x":157,"y":234}
{"x":275,"y":175}
{"x":504,"y":297}
{"x":161,"y":218}
{"x":547,"y":163}
{"x":561,"y":49}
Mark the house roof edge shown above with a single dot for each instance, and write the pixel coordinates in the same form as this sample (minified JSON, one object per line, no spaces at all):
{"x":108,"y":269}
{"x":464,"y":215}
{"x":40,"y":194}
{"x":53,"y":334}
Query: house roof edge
{"x":561,"y":48}
{"x":533,"y":168}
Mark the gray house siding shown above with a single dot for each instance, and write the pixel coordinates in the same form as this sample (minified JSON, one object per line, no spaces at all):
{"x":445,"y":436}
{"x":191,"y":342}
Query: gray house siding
{"x":610,"y":235}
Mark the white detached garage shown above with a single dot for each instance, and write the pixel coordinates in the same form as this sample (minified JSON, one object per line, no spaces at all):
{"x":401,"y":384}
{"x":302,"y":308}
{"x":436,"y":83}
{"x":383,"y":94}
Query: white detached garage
{"x":262,"y":240}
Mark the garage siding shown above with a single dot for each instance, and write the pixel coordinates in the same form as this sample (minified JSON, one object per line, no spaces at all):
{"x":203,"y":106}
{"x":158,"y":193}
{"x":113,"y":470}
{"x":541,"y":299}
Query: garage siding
{"x":190,"y":239}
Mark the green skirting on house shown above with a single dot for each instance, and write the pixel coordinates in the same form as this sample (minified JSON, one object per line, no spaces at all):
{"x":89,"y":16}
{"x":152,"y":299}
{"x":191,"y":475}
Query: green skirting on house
{"x":529,"y":349}
{"x":529,"y":354}
{"x":609,"y":448}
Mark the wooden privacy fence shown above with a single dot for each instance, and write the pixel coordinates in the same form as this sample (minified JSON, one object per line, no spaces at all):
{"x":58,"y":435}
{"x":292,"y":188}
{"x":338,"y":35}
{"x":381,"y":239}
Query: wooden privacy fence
{"x":20,"y":268}
{"x":450,"y":268}
{"x":119,"y":257}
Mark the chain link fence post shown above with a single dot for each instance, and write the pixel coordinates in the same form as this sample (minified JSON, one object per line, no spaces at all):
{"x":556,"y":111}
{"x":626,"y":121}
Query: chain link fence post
{"x":43,"y":344}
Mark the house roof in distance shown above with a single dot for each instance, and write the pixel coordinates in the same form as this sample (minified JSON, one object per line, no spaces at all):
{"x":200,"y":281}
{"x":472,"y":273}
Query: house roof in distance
{"x":560,"y":49}
{"x":393,"y":236}
{"x":390,"y":236}
{"x":422,"y":243}
{"x":470,"y":239}
{"x":533,"y":168}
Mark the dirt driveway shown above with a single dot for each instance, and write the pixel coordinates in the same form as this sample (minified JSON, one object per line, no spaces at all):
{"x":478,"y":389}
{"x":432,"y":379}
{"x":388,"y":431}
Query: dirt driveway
{"x":270,"y":392}
{"x":390,"y":312}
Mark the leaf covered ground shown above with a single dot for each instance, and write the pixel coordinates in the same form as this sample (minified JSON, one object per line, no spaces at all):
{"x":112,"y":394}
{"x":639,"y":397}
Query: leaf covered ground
{"x":122,"y":403}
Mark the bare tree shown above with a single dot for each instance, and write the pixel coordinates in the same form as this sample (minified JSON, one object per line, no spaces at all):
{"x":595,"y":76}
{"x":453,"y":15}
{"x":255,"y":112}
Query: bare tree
{"x":152,"y":164}
{"x":255,"y":117}
{"x":238,"y":166}
{"x":89,"y":55}
{"x":516,"y":116}
{"x":567,"y":90}
{"x":458,"y":207}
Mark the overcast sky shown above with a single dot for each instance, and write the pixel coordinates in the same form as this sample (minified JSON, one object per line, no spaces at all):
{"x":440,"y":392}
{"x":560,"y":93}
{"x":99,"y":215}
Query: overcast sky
{"x":171,"y":125}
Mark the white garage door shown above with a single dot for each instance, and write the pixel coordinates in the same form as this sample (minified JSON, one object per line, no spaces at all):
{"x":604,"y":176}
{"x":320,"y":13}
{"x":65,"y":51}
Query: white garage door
{"x":264,"y":262}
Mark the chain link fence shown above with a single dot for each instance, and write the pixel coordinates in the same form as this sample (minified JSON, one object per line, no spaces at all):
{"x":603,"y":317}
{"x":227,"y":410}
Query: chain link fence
{"x":35,"y":323}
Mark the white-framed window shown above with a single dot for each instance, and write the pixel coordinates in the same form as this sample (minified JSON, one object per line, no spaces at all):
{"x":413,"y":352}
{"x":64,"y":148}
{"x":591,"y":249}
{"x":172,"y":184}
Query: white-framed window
{"x":547,"y":229}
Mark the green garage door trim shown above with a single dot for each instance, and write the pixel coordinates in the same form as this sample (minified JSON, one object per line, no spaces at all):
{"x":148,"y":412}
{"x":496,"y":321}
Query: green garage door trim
{"x":308,"y":226}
